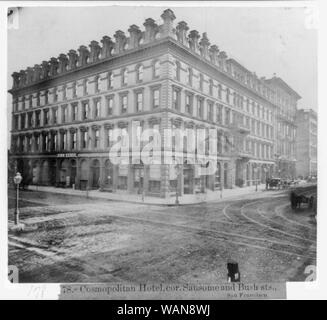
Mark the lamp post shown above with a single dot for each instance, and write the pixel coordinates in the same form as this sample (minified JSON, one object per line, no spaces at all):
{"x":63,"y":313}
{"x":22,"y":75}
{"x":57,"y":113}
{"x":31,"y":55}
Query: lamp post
{"x":17,"y":180}
{"x":177,"y":169}
{"x":256,"y":178}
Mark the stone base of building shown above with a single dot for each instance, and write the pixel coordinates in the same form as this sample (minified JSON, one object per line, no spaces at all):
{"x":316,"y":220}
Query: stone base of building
{"x":98,"y":173}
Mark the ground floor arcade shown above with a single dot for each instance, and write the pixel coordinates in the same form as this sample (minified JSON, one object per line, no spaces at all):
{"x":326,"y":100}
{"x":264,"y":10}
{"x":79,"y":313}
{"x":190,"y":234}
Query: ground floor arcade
{"x":97,"y":172}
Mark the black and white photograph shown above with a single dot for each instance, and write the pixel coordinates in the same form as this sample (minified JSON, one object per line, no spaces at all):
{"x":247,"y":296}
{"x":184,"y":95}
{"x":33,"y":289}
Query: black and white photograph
{"x":162,"y":150}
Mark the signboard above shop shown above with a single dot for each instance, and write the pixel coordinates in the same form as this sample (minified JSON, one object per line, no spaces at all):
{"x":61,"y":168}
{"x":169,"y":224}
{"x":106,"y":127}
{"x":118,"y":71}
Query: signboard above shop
{"x":66,"y":155}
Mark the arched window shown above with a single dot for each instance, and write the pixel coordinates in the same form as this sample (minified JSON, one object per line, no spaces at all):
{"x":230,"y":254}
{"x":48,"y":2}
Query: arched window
{"x":156,"y":69}
{"x":139,"y":73}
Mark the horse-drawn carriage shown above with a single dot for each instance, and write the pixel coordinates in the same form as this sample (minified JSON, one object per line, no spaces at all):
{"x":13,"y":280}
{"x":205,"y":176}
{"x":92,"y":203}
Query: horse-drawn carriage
{"x":307,"y":196}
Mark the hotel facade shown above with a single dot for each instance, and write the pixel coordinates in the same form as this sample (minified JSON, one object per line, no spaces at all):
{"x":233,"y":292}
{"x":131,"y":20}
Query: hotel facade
{"x":161,"y":77}
{"x":306,"y":148}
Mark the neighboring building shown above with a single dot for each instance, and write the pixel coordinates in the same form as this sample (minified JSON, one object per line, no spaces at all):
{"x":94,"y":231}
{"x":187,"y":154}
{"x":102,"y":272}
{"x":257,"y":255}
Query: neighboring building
{"x":65,"y":108}
{"x":306,"y":143}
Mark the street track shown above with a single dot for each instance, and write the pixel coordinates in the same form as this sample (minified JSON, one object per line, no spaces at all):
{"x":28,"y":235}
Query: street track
{"x":237,"y":214}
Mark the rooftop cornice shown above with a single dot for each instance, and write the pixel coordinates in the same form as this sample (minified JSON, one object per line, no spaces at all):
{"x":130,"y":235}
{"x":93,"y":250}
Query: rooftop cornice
{"x":78,"y":62}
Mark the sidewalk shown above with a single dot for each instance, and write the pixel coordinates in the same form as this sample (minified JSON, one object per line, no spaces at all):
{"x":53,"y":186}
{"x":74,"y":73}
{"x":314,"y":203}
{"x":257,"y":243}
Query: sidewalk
{"x":136,"y":198}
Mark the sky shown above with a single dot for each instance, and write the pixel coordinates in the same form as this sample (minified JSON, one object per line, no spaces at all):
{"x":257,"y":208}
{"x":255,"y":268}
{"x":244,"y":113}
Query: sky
{"x":265,"y":40}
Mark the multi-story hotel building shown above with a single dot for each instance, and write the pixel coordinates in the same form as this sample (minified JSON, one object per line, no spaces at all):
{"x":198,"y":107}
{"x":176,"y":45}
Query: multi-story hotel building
{"x":162,"y":77}
{"x":306,"y":143}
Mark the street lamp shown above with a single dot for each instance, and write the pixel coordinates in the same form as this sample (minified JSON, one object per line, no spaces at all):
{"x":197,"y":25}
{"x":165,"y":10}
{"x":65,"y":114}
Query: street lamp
{"x":256,"y":178}
{"x":177,"y":170}
{"x":17,"y":180}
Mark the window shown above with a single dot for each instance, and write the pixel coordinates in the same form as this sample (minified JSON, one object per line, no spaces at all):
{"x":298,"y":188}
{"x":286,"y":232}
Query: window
{"x":139,"y":101}
{"x":74,"y":90}
{"x":227,"y":95}
{"x":155,"y":98}
{"x":30,"y":101}
{"x":110,"y":80}
{"x":54,"y":141}
{"x":124,"y":77}
{"x":85,"y":110}
{"x":201,"y":82}
{"x":109,"y":134}
{"x":227,"y":117}
{"x":156,"y":69}
{"x":247,"y":105}
{"x":16,"y":119}
{"x":234,"y":99}
{"x":74,"y":112}
{"x":64,"y":141}
{"x":55,"y":95}
{"x":73,"y":140}
{"x":97,"y":108}
{"x":46,"y":117}
{"x":177,"y":70}
{"x":210,"y":111}
{"x":96,"y":138}
{"x":200,"y":108}
{"x":211,"y":87}
{"x":110,"y":105}
{"x":64,"y":92}
{"x":54,"y":115}
{"x":64,"y":114}
{"x":124,"y":104}
{"x":219,"y":113}
{"x":176,"y":98}
{"x":23,"y":103}
{"x":96,"y":84}
{"x":37,"y":143}
{"x":139,"y":73}
{"x":220,"y":91}
{"x":188,"y":103}
{"x":30,"y":120}
{"x":84,"y":139}
{"x":190,"y":76}
{"x":85,"y":87}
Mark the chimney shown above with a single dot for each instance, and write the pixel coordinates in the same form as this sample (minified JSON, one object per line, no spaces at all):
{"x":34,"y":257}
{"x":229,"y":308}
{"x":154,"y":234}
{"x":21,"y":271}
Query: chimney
{"x":120,"y":41}
{"x":44,"y":69}
{"x":95,"y":50}
{"x":72,"y":59}
{"x":168,"y":18}
{"x":214,"y":54}
{"x":29,"y":75}
{"x":53,"y":66}
{"x":150,"y":30}
{"x":181,"y":30}
{"x":193,"y":40}
{"x":107,"y":46}
{"x":22,"y":78}
{"x":83,"y":56}
{"x":63,"y":62}
{"x":222,"y":59}
{"x":135,"y":35}
{"x":204,"y":46}
{"x":15,"y":77}
{"x":37,"y":72}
